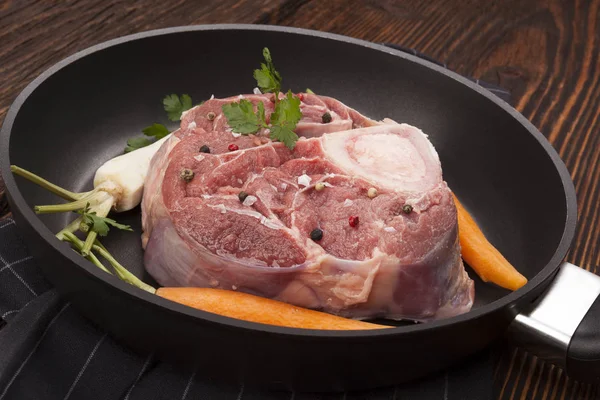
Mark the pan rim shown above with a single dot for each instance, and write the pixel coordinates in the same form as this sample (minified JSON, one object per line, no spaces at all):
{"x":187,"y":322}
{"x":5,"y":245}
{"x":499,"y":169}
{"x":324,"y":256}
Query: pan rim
{"x":36,"y":223}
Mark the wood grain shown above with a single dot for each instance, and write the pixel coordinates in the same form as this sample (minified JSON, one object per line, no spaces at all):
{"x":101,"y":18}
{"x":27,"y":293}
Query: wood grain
{"x":545,"y":52}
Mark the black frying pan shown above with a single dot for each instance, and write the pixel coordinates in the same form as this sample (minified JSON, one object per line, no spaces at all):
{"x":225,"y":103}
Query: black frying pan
{"x":79,"y":113}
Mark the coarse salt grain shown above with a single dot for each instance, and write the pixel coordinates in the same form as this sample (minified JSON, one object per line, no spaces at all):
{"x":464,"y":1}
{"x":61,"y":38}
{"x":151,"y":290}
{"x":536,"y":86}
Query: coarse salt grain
{"x":304,"y":180}
{"x":348,"y":203}
{"x":256,"y":91}
{"x":249,"y":200}
{"x":212,"y":97}
{"x":236,"y":135}
{"x":389,"y":229}
{"x":199,"y":157}
{"x":192,"y":125}
{"x":284,"y":186}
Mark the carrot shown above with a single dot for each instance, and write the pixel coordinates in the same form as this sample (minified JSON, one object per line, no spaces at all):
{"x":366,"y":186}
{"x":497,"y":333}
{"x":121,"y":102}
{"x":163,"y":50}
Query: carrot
{"x":252,"y":308}
{"x":482,"y":256}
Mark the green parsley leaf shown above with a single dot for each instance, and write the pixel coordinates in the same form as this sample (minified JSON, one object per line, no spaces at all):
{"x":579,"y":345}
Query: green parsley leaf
{"x":137,"y":143}
{"x":287,"y":111}
{"x":175,"y":105}
{"x":115,"y":224}
{"x":309,"y":91}
{"x":241,"y":117}
{"x":285,"y":134}
{"x":284,"y":120}
{"x":100,"y":225}
{"x":267,"y":78}
{"x":157,"y":131}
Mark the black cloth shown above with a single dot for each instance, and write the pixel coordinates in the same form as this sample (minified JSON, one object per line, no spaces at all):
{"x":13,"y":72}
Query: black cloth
{"x":48,"y":351}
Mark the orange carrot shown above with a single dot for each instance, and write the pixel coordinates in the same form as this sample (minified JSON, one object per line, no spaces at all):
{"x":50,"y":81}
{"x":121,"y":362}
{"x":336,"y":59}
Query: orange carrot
{"x":252,"y":308}
{"x":482,"y":256}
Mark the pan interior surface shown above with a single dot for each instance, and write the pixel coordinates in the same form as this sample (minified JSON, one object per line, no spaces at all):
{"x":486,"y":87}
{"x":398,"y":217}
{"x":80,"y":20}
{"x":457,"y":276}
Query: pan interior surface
{"x":83,"y":114}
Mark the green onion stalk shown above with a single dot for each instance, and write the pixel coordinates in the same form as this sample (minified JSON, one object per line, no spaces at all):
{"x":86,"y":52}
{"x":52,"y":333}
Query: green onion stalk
{"x":97,"y":201}
{"x":118,"y":186}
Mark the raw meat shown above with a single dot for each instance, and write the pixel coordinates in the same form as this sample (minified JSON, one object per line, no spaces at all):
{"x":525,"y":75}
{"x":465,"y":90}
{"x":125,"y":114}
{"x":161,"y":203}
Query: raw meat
{"x":400,"y":259}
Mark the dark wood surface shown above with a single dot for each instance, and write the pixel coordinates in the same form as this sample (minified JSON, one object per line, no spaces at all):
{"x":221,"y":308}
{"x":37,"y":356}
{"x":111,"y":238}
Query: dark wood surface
{"x":546,"y":52}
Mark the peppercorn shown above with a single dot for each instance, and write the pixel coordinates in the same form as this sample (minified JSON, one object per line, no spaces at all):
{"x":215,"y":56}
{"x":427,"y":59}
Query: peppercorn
{"x":407,"y":208}
{"x":204,"y":149}
{"x":326,"y":118}
{"x":372,"y":193}
{"x":242,"y":196}
{"x":211,"y":115}
{"x":353,"y":221}
{"x":319,"y":186}
{"x":233,"y":147}
{"x":187,"y":174}
{"x":316,"y":234}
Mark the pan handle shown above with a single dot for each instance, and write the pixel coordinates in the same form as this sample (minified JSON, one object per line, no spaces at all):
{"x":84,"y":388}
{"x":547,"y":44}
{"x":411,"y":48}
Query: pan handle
{"x":563,"y":325}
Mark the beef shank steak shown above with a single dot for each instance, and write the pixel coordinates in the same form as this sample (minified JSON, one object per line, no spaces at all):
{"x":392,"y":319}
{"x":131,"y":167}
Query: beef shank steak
{"x":356,"y":220}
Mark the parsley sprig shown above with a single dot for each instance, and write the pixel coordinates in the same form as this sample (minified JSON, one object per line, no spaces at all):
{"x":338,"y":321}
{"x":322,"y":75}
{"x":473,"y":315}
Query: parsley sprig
{"x":92,"y":222}
{"x":174,"y":106}
{"x":243,"y":118}
{"x":267,"y":77}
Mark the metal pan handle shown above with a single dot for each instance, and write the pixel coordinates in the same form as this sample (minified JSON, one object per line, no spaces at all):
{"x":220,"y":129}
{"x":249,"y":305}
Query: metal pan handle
{"x":563,"y":325}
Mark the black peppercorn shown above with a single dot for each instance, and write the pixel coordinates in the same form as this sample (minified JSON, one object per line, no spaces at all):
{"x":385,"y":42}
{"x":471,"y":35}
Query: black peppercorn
{"x":316,"y":234}
{"x":187,"y":174}
{"x":204,"y":149}
{"x":326,"y":118}
{"x":407,"y":208}
{"x":242,"y":196}
{"x":210,"y":116}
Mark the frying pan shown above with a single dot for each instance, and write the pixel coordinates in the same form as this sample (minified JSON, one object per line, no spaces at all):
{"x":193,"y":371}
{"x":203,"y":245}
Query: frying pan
{"x":78,"y":114}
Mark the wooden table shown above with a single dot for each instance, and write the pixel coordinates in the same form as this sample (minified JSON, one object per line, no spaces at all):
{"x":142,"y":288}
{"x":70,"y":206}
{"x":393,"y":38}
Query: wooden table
{"x":545,"y":52}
